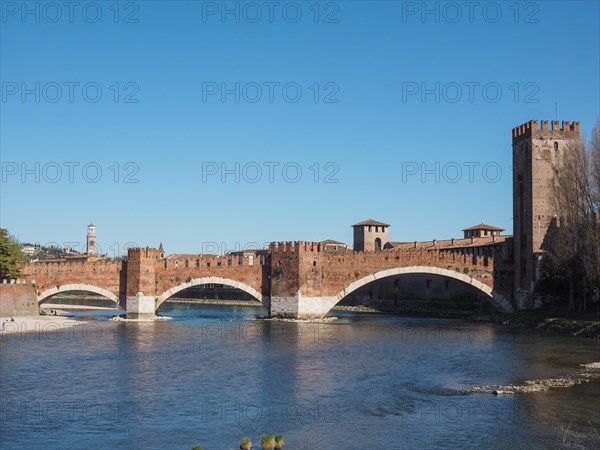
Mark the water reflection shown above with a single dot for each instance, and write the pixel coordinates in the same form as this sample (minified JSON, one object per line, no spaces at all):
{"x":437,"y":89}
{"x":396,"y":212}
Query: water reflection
{"x":214,"y":374}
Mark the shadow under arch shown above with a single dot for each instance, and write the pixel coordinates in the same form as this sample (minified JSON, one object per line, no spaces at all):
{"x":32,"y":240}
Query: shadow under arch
{"x":49,"y":293}
{"x":211,"y":280}
{"x":492,"y":296}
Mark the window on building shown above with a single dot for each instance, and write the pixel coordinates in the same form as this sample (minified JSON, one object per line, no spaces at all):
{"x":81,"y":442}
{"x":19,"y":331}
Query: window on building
{"x":370,"y":228}
{"x":208,"y":264}
{"x":197,"y":263}
{"x":186,"y":264}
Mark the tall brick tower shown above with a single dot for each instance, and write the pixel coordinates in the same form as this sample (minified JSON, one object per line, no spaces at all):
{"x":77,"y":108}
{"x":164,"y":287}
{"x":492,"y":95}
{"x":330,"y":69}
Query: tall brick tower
{"x":91,"y":239}
{"x":537,"y":154}
{"x":370,"y":235}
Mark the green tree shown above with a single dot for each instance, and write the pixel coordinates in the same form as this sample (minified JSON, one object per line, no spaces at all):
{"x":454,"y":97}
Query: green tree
{"x":10,"y":255}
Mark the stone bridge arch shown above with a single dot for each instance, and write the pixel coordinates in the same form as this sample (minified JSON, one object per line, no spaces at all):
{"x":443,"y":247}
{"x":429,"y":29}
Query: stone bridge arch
{"x":49,"y":293}
{"x":492,"y":296}
{"x":212,"y":280}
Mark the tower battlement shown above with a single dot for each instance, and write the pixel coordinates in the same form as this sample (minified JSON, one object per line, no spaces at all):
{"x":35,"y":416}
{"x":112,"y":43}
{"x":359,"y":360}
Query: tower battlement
{"x":139,"y":253}
{"x":541,"y":128}
{"x":295,"y":247}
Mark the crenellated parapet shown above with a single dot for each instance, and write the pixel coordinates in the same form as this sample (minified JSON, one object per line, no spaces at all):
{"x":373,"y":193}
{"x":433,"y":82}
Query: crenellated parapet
{"x":295,"y":247}
{"x":533,"y":128}
{"x":143,"y":253}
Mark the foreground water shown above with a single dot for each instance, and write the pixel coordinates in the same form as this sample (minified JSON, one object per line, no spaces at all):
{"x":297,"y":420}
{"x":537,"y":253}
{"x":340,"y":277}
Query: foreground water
{"x":213,"y":375}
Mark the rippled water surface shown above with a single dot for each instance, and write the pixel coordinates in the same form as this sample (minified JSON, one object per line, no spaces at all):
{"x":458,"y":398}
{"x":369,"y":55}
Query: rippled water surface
{"x":214,"y":374}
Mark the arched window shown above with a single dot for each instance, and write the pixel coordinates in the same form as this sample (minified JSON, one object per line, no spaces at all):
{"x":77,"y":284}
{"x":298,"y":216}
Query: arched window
{"x":556,"y":146}
{"x":377,"y":244}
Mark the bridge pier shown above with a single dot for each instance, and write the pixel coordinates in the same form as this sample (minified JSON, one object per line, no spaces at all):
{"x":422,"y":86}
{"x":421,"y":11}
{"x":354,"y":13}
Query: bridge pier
{"x":299,"y":307}
{"x":140,"y":306}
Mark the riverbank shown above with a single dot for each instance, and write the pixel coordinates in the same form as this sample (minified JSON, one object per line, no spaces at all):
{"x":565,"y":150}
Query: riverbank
{"x":557,"y":320}
{"x":65,"y":308}
{"x":30,"y":324}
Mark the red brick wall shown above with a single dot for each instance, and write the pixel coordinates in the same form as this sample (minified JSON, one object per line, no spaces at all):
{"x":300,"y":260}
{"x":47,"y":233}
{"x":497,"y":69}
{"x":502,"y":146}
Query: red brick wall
{"x":200,"y":266}
{"x":320,"y":274}
{"x":290,"y":268}
{"x":104,"y":274}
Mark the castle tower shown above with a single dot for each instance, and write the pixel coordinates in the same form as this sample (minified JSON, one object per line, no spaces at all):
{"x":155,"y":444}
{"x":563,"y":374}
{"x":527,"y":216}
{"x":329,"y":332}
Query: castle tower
{"x":537,"y":155}
{"x":91,"y":239}
{"x":370,"y":235}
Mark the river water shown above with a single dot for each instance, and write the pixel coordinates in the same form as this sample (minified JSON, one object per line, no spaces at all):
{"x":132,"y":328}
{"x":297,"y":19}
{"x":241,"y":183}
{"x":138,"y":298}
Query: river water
{"x":214,"y":374}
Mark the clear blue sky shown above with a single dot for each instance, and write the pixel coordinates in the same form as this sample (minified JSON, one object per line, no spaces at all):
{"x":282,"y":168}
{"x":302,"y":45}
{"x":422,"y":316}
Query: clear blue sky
{"x":373,"y":55}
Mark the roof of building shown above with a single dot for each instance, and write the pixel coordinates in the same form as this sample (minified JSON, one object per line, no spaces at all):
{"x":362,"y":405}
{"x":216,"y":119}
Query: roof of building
{"x":397,"y":243}
{"x":448,"y":244}
{"x":91,"y":225}
{"x":370,"y":222}
{"x":483,"y":226}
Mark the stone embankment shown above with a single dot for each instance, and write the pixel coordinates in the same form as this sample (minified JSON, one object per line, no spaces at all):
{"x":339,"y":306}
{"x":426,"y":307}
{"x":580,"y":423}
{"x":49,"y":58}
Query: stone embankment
{"x":584,"y":375}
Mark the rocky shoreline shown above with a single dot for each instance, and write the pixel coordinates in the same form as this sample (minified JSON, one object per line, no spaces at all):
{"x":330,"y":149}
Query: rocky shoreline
{"x":590,"y":371}
{"x":563,"y":326}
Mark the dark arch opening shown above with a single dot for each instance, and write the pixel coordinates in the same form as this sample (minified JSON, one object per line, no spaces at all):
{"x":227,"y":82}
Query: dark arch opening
{"x":419,"y":294}
{"x":377,"y":244}
{"x":80,"y":301}
{"x":211,"y":294}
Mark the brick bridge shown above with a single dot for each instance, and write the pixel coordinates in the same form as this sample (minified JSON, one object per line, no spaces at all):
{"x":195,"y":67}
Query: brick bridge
{"x":292,"y":279}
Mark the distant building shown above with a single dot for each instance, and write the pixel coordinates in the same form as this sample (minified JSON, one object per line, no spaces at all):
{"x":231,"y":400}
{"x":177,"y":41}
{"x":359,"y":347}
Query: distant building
{"x":29,"y":250}
{"x":329,"y":245}
{"x":482,"y":230}
{"x":370,"y":235}
{"x":253,"y":255}
{"x":91,"y":240}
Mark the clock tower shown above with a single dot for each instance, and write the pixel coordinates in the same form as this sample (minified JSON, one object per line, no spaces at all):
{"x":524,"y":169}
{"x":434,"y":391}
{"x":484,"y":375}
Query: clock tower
{"x":91,"y":239}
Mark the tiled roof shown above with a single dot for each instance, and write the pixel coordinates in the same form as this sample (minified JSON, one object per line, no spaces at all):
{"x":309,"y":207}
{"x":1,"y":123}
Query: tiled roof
{"x":483,"y":226}
{"x":370,"y":222}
